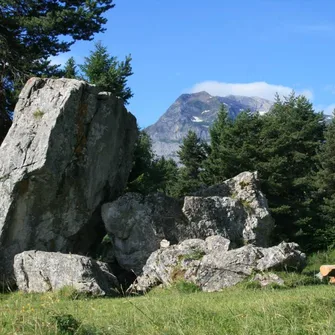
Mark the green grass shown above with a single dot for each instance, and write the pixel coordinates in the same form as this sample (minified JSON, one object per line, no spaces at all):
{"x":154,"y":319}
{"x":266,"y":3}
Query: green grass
{"x":317,"y":259}
{"x":302,"y":307}
{"x":301,"y":310}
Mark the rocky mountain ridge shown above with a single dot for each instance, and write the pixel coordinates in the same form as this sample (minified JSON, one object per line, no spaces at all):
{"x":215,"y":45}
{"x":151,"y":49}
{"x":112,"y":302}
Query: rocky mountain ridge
{"x":197,"y":112}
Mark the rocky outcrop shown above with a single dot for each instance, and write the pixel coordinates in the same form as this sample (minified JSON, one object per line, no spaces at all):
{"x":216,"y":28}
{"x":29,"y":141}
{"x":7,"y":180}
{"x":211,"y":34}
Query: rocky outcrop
{"x":213,"y":269}
{"x":137,"y":224}
{"x":69,"y":149}
{"x":39,"y":271}
{"x":236,"y":210}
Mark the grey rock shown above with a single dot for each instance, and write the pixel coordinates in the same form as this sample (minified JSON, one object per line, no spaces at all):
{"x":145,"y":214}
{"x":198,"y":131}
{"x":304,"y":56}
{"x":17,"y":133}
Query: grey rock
{"x":196,"y":112}
{"x":40,"y":271}
{"x":216,"y":216}
{"x":284,"y":256}
{"x":138,"y":223}
{"x":235,"y":209}
{"x":69,"y":149}
{"x":217,"y":243}
{"x":213,"y":269}
{"x":164,"y":243}
{"x":269,"y":278}
{"x":170,"y":264}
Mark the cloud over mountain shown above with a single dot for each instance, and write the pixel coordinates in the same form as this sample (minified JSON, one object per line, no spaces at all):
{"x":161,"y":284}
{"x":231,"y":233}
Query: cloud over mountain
{"x":258,"y":89}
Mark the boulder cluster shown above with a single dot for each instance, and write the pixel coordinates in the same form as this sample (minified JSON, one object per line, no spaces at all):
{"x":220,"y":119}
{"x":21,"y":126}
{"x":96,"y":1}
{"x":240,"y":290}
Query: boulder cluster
{"x":63,"y":169}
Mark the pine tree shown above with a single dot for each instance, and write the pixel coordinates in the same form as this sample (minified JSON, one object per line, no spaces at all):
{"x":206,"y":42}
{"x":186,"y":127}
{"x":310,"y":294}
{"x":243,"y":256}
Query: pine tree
{"x":192,"y":154}
{"x":325,"y":181}
{"x":142,"y":161}
{"x":164,"y":175}
{"x":107,"y":72}
{"x":149,"y":173}
{"x":70,"y":70}
{"x":234,"y":146}
{"x":214,"y":170}
{"x":290,"y":138}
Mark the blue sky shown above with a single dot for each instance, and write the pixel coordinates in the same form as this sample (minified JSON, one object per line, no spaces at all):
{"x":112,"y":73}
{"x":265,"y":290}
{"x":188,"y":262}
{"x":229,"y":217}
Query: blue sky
{"x":245,"y":47}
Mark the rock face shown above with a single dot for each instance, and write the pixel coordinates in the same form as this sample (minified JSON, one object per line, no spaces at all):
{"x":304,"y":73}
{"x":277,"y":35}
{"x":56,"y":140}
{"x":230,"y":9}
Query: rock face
{"x":236,"y":210}
{"x":137,"y":224}
{"x":196,"y":112}
{"x":213,"y":269}
{"x":39,"y":271}
{"x":69,"y":149}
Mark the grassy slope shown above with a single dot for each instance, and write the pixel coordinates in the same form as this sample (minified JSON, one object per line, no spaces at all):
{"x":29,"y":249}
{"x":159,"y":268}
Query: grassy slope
{"x":302,"y":310}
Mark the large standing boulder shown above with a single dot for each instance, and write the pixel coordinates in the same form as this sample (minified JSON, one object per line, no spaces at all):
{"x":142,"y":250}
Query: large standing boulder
{"x":68,"y":151}
{"x":40,"y":271}
{"x":213,"y":269}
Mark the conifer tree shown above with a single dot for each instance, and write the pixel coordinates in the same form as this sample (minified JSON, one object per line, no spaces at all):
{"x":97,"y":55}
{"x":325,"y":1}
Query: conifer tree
{"x":325,"y":182}
{"x":193,"y":151}
{"x":218,"y":154}
{"x":70,"y":70}
{"x":107,"y":72}
{"x":290,"y":137}
{"x":149,"y":173}
{"x":234,"y":146}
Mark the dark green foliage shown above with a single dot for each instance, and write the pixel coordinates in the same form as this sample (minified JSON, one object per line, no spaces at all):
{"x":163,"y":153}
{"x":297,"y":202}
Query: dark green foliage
{"x":192,"y":154}
{"x":235,"y":147}
{"x":164,"y":175}
{"x":214,"y":171}
{"x":290,"y":137}
{"x":107,"y":72}
{"x":30,"y":33}
{"x":70,"y":70}
{"x":282,"y":146}
{"x":149,"y":173}
{"x":142,"y":161}
{"x":66,"y":324}
{"x":325,"y":182}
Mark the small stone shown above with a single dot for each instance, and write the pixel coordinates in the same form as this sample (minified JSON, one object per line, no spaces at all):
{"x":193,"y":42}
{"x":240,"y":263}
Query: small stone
{"x":164,"y":244}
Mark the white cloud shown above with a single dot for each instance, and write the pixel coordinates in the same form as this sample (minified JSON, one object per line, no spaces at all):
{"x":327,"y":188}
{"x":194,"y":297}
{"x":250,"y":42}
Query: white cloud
{"x":255,"y":89}
{"x":327,"y":110}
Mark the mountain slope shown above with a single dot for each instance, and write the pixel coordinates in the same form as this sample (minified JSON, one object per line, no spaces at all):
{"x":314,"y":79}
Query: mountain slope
{"x":196,"y":112}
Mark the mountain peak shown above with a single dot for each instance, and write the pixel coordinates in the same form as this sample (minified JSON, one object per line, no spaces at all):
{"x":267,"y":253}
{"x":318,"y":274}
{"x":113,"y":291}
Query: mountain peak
{"x":203,"y":95}
{"x":196,"y":112}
